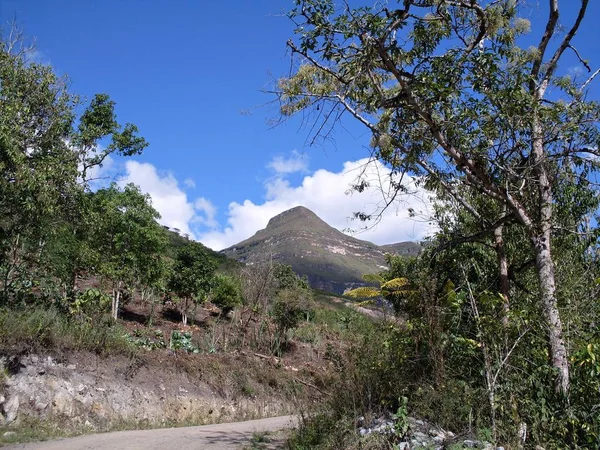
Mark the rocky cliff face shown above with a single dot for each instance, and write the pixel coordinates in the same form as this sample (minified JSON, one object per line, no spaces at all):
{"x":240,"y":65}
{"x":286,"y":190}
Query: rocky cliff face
{"x":331,"y":260}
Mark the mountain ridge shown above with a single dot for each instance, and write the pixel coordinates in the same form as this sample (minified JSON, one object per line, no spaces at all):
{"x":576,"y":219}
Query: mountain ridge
{"x":331,"y":260}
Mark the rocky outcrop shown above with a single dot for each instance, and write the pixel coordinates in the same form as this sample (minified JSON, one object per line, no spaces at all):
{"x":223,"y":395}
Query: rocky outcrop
{"x":422,"y":435}
{"x":99,"y":398}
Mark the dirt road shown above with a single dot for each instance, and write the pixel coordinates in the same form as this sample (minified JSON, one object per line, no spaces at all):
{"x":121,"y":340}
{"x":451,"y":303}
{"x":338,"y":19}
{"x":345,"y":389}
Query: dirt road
{"x":226,"y":436}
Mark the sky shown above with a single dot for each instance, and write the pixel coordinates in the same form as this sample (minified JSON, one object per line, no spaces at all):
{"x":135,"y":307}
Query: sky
{"x":192,"y":75}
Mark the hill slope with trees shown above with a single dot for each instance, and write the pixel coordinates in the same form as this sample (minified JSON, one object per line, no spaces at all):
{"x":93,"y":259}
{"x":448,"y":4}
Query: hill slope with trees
{"x":329,"y":259}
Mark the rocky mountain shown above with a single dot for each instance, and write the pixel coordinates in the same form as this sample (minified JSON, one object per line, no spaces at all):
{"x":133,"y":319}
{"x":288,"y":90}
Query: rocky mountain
{"x":331,"y":260}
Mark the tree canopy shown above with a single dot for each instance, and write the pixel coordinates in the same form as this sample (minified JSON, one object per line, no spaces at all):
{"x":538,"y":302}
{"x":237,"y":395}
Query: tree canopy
{"x":450,"y":96}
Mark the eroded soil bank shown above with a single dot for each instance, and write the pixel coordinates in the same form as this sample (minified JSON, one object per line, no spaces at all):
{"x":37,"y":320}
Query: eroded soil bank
{"x":86,"y":393}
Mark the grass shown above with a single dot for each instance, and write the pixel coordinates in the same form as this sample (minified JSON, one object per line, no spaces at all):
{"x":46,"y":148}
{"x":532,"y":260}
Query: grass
{"x":29,"y":430}
{"x":42,"y":329}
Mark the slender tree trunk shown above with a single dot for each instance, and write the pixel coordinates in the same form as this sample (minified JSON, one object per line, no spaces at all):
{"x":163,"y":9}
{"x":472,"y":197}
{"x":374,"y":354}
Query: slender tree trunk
{"x":545,"y":271}
{"x":74,"y":285}
{"x":541,"y":241}
{"x":184,"y":317}
{"x":116,"y":298}
{"x":503,"y":271}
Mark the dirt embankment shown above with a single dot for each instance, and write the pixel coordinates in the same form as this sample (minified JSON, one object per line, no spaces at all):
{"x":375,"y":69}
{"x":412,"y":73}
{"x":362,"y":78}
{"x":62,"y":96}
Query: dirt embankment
{"x":87,"y":393}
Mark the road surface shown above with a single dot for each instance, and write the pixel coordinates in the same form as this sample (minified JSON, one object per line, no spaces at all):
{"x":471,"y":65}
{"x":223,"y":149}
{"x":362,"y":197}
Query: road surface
{"x":225,"y":436}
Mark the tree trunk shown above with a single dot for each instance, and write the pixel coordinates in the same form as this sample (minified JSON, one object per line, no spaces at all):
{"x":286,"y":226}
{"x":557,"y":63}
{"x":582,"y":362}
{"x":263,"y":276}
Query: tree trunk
{"x":541,"y":240}
{"x":184,"y":317}
{"x":503,"y":271}
{"x":545,"y":271}
{"x":115,"y":303}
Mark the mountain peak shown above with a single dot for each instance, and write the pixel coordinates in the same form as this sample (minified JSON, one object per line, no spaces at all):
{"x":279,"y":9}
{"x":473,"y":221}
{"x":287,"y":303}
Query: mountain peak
{"x":299,"y":215}
{"x":331,"y":260}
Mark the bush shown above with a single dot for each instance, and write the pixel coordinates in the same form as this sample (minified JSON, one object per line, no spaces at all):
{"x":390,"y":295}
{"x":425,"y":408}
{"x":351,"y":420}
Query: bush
{"x":226,"y":293}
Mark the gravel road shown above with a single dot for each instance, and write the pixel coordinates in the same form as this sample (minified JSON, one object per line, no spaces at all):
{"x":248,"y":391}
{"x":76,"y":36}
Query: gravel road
{"x":225,"y":436}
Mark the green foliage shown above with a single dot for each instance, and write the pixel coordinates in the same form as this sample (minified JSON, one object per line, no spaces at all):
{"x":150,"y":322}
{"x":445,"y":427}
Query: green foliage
{"x":291,"y":303}
{"x":192,"y":275}
{"x":225,"y":293}
{"x":90,"y":304}
{"x":516,"y":182}
{"x":39,"y":329}
{"x":148,"y":340}
{"x":192,"y":272}
{"x":182,"y":340}
{"x":46,"y":153}
{"x":400,"y":417}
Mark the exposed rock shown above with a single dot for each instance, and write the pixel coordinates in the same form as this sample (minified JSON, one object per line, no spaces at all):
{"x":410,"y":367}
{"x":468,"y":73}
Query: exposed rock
{"x":421,"y":434}
{"x":11,"y":409}
{"x":99,"y":396}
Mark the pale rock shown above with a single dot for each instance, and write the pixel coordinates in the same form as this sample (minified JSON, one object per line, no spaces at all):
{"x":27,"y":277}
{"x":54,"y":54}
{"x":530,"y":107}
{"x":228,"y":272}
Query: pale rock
{"x":421,"y":437}
{"x":11,"y":409}
{"x":9,"y":434}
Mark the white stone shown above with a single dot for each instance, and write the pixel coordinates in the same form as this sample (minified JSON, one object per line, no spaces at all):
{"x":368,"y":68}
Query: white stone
{"x":9,"y":434}
{"x":11,"y":409}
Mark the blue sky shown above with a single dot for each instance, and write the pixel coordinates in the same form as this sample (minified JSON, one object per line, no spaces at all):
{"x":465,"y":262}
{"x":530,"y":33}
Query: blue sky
{"x":190,"y":75}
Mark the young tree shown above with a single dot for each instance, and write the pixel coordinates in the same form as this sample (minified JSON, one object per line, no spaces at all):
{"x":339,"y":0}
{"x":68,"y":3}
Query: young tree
{"x":127,"y":238}
{"x":225,"y":293}
{"x":450,"y":96}
{"x":192,"y":275}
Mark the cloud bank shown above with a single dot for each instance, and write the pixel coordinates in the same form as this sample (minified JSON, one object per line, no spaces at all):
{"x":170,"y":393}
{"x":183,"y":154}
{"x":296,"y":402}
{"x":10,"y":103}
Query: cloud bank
{"x":326,"y":193}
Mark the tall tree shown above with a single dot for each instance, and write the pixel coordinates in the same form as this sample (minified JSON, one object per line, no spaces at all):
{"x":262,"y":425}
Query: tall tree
{"x":129,"y":241}
{"x":44,"y":156}
{"x":450,"y":96}
{"x":192,"y":275}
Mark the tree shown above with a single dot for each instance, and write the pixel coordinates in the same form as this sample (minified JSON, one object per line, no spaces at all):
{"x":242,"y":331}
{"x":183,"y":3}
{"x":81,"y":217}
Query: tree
{"x":192,"y":275}
{"x":225,"y":293}
{"x":127,"y":238}
{"x":450,"y":97}
{"x":46,"y":151}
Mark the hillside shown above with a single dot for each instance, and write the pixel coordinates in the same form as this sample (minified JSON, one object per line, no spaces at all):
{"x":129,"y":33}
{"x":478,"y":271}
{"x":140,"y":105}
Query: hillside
{"x":331,"y":260}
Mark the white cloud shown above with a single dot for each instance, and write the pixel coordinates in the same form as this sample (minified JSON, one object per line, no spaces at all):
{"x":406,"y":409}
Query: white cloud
{"x":189,"y":183}
{"x":297,"y":162}
{"x":167,"y":197}
{"x":328,"y":194}
{"x":208,"y":211}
